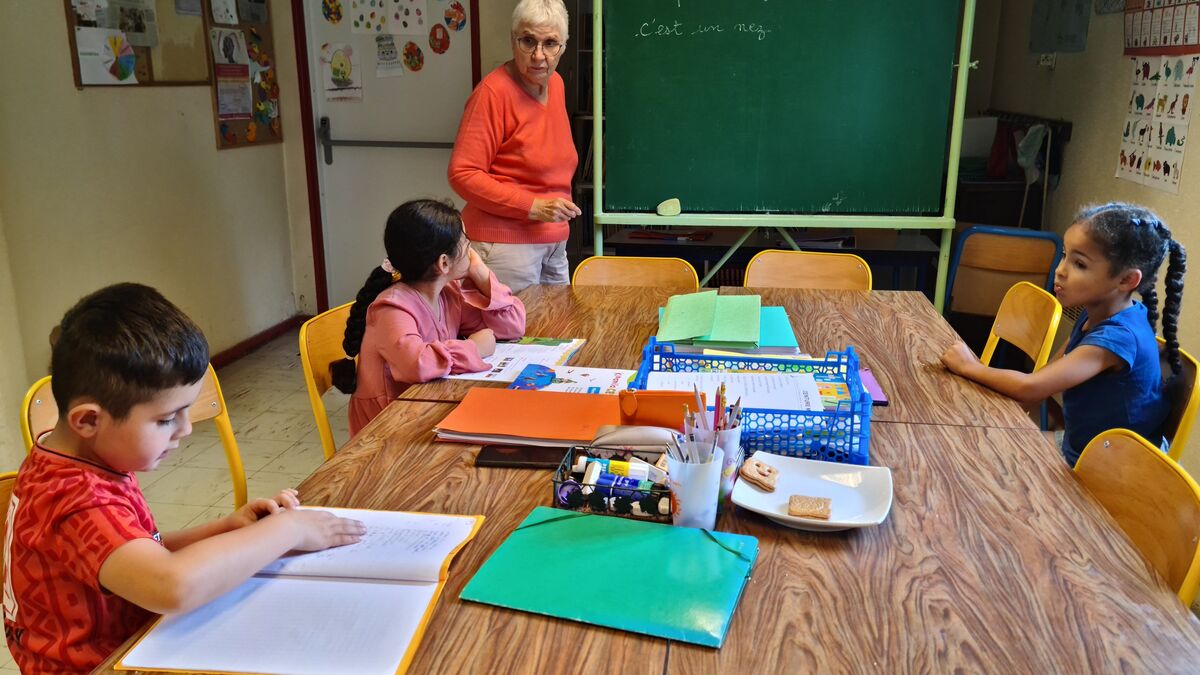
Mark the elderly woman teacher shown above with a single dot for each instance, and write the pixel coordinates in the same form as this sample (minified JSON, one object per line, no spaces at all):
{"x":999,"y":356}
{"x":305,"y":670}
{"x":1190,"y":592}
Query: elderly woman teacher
{"x":514,"y":157}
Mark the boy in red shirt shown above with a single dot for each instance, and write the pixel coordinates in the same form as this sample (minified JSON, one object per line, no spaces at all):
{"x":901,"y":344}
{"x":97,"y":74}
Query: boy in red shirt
{"x":85,"y":566}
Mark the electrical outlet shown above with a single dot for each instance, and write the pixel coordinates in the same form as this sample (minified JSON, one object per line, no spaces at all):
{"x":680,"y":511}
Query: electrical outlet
{"x":1046,"y":60}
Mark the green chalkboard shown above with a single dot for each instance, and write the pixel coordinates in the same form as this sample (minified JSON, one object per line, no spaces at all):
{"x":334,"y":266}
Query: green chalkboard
{"x":778,"y":106}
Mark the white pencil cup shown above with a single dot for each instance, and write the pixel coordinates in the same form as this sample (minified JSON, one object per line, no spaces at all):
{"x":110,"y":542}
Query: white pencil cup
{"x":694,"y":491}
{"x":730,"y":443}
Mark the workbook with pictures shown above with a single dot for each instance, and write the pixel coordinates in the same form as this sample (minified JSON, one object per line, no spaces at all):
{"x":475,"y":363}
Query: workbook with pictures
{"x":360,"y":608}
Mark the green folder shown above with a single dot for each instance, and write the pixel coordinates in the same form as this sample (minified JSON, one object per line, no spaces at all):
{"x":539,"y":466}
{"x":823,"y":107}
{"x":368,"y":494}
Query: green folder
{"x":671,"y":582}
{"x":710,"y":320}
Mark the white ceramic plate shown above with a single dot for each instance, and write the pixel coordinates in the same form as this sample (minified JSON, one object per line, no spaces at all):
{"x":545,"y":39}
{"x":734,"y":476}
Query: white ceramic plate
{"x":862,"y":495}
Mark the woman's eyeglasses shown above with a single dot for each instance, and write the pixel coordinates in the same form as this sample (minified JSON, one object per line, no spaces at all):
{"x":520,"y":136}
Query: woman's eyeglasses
{"x":529,"y":45}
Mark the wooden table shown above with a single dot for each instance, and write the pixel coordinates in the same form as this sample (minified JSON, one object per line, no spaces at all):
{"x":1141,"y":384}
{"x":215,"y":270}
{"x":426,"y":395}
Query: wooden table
{"x":897,"y":333}
{"x":993,"y":559}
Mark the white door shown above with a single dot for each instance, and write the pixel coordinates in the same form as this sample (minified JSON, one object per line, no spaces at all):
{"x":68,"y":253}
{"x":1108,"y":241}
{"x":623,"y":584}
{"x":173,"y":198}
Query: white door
{"x":363,"y":184}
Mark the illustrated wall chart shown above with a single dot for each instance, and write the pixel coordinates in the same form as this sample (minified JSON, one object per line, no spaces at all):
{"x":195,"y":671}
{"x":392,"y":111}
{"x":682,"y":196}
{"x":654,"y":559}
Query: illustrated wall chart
{"x":1162,"y":94}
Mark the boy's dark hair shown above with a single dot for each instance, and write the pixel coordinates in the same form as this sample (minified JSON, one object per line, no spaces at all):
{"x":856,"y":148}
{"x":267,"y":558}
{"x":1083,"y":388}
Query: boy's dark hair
{"x":418,"y":232}
{"x":122,"y":345}
{"x":1133,"y":237}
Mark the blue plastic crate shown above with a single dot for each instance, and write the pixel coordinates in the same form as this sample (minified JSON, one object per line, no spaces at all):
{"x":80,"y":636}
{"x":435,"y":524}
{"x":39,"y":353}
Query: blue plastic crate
{"x":840,"y":435}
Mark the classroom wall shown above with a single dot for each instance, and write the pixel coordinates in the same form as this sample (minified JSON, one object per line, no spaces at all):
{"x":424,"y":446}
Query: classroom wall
{"x":114,"y":184}
{"x":13,"y":378}
{"x":495,"y":33}
{"x":1091,"y":89}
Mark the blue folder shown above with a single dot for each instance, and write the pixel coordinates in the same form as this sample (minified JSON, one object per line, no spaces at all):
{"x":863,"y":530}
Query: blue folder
{"x":676,"y":583}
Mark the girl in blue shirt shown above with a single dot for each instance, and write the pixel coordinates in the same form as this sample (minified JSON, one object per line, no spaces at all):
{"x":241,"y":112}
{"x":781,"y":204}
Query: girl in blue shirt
{"x":1108,"y":371}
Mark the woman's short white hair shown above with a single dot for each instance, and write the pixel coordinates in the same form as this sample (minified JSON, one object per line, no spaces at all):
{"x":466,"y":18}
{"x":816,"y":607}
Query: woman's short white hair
{"x":540,"y":13}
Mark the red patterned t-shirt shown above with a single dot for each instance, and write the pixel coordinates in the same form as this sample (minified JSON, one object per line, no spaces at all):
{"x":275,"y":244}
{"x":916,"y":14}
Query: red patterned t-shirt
{"x":65,"y":517}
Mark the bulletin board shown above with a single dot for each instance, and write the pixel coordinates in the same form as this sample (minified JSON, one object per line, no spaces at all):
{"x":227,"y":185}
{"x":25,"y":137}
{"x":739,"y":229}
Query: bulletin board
{"x":243,"y":73}
{"x":143,"y":43}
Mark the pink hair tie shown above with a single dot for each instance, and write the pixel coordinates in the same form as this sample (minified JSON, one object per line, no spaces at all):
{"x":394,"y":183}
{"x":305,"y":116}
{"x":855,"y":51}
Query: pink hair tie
{"x":386,"y":266}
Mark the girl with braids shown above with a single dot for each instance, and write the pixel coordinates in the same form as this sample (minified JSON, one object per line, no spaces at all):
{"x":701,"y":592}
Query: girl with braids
{"x":1108,"y":371}
{"x":409,"y":320}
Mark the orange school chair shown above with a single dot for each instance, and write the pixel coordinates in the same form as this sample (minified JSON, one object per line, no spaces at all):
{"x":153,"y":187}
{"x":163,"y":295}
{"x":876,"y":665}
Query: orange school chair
{"x":320,"y":345}
{"x":1153,"y":500}
{"x":988,"y":259}
{"x":611,"y":270}
{"x":1185,"y":400}
{"x":40,"y":413}
{"x":808,"y":269}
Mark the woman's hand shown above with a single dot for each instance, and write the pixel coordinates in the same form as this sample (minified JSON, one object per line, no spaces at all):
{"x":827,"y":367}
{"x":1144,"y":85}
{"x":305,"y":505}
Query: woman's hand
{"x":485,"y":342}
{"x":554,"y":210}
{"x":958,"y":358}
{"x":261,"y":508}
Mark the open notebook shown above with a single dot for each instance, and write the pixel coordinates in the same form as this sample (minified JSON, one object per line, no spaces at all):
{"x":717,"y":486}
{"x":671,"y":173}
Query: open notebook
{"x":356,"y":609}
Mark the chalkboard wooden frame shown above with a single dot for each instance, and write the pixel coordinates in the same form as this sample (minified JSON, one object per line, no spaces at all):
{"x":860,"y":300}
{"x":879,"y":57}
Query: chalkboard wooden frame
{"x":752,"y":221}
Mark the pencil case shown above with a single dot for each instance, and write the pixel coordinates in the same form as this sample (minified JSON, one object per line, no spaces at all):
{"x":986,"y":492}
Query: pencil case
{"x":643,"y":440}
{"x":655,"y":408}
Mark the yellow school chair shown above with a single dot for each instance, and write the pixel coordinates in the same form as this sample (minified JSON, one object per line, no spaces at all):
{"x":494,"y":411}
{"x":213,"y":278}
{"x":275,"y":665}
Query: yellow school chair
{"x":320,"y":345}
{"x":611,"y":270}
{"x":7,"y":481}
{"x":40,"y":413}
{"x":1152,"y":499}
{"x":1028,"y":319}
{"x":1185,"y":400}
{"x":808,"y":269}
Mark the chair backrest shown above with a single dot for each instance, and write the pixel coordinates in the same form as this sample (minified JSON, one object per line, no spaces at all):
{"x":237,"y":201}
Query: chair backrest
{"x":610,"y":270}
{"x":7,"y":481}
{"x":1028,"y":319}
{"x":320,"y":345}
{"x":1185,"y":400}
{"x":808,"y":269}
{"x":40,"y":413}
{"x":1152,"y":499}
{"x":988,"y":259}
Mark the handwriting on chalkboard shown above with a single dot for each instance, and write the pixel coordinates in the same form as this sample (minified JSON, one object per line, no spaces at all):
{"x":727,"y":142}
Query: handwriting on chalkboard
{"x":678,"y":29}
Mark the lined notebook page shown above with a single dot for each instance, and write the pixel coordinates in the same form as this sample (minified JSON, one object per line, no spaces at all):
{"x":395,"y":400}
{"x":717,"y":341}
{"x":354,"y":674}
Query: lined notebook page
{"x":773,"y":391}
{"x":397,"y":546}
{"x":287,"y":625}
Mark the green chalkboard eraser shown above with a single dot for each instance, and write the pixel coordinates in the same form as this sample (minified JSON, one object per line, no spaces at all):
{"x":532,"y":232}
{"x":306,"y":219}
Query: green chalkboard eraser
{"x":669,"y":208}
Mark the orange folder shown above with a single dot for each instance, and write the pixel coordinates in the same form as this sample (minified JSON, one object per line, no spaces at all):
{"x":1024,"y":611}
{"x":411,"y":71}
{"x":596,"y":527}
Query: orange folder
{"x":517,"y":417}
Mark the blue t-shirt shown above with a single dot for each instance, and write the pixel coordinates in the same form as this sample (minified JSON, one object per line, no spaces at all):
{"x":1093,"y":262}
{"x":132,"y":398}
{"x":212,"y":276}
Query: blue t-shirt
{"x":1130,"y":397}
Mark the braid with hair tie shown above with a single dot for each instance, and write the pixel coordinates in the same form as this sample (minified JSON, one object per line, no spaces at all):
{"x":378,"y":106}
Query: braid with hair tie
{"x":1149,"y":287}
{"x":1173,"y":285}
{"x":344,"y":373}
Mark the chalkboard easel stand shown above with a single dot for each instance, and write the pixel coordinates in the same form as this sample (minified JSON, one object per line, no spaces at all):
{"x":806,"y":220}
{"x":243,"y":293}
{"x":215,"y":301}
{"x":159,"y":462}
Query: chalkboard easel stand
{"x":780,"y":222}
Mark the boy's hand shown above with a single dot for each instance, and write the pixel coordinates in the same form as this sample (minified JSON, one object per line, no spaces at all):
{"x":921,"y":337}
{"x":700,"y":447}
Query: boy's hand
{"x":256,"y":509}
{"x":320,"y":530}
{"x":959,"y":358}
{"x":478,"y":273}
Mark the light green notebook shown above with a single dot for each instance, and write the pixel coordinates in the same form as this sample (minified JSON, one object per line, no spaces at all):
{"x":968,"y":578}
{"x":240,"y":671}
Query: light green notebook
{"x":711,"y":320}
{"x":676,"y":583}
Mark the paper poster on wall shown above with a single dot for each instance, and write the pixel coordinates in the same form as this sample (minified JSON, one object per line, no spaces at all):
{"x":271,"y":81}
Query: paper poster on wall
{"x":229,"y":47}
{"x":387,"y":57}
{"x":439,"y":38}
{"x":332,"y":11}
{"x":408,"y":17}
{"x":1059,"y":26}
{"x":454,"y":16}
{"x":189,"y":7}
{"x":340,"y":75}
{"x":253,"y":11}
{"x":1162,"y":27}
{"x":105,"y":56}
{"x":136,"y":18}
{"x":1157,"y":119}
{"x":225,"y":12}
{"x":368,"y":16}
{"x":89,"y":10}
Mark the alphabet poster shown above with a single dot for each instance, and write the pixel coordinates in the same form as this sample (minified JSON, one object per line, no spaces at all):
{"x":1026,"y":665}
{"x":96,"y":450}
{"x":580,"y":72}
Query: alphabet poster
{"x":1157,"y":27}
{"x":1153,"y":140}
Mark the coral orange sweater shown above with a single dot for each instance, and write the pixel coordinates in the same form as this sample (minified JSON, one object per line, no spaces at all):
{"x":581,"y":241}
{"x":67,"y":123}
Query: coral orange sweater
{"x":511,"y":149}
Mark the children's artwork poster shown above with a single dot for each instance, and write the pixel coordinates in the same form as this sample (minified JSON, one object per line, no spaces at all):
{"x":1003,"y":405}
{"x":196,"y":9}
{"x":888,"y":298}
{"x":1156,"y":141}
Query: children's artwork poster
{"x":224,"y":12}
{"x":252,"y":11}
{"x":439,"y":39}
{"x":189,"y":7}
{"x":105,"y":56}
{"x":229,"y":47}
{"x":340,"y":73}
{"x":1162,"y":27}
{"x":1059,"y":26}
{"x":368,"y":16}
{"x":454,"y":16}
{"x":387,"y":57}
{"x":332,"y":11}
{"x":408,"y":17}
{"x":1161,"y":98}
{"x":89,"y":11}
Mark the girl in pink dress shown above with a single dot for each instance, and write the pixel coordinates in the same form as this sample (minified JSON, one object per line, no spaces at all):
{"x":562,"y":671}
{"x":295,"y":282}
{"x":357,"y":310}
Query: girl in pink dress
{"x":431,"y":309}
